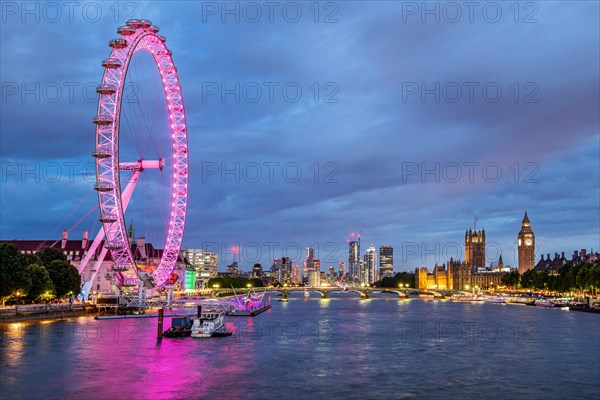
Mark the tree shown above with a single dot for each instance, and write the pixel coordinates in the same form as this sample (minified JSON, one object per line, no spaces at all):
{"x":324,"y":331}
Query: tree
{"x":512,"y":279}
{"x":30,"y":258}
{"x":49,"y":254}
{"x":41,"y":284}
{"x":65,"y":278}
{"x":13,"y":275}
{"x":407,"y":279}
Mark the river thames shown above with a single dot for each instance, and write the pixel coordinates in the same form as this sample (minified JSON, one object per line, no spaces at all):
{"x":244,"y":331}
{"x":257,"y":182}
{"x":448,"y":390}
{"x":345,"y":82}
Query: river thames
{"x":336,"y":348}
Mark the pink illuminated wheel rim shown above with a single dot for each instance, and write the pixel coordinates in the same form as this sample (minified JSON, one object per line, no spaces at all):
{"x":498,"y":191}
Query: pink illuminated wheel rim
{"x":137,"y":36}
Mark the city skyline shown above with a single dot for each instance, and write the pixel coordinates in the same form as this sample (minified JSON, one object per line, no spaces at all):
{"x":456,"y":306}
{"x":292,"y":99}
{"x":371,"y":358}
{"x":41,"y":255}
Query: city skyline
{"x":429,"y":166}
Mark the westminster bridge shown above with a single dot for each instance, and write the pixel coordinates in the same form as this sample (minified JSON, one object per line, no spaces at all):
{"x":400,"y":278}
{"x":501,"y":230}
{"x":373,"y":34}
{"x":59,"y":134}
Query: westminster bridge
{"x":324,"y":292}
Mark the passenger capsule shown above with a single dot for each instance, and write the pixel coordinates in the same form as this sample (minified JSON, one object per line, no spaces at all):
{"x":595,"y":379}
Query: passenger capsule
{"x":102,"y":120}
{"x":117,"y":43}
{"x":111,"y":63}
{"x":121,"y":267}
{"x":129,"y":282}
{"x":134,"y":23}
{"x":161,"y":37}
{"x":144,"y":23}
{"x":103,"y":186}
{"x":126,"y":30}
{"x":153,"y":28}
{"x":102,"y":152}
{"x":108,"y":218}
{"x":106,"y":89}
{"x":114,"y":245}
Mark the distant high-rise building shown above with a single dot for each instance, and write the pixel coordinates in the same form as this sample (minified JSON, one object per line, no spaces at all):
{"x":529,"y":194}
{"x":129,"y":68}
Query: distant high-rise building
{"x":204,"y":263}
{"x":296,"y":276}
{"x":386,"y":261}
{"x":314,"y":278}
{"x":281,"y":270}
{"x":232,"y":269}
{"x":526,"y":246}
{"x":309,"y":263}
{"x":310,"y":253}
{"x":354,"y":260}
{"x":257,"y":271}
{"x":331,"y":272}
{"x":342,"y":269}
{"x":370,"y":274}
{"x":475,"y":248}
{"x":285,"y":273}
{"x":317,"y":265}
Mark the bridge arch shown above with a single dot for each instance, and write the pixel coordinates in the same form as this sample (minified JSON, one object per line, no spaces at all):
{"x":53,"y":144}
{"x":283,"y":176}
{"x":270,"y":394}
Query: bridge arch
{"x":400,"y":293}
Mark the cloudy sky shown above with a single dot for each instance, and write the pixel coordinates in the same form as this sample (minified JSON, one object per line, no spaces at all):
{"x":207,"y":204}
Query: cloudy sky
{"x":308,"y":121}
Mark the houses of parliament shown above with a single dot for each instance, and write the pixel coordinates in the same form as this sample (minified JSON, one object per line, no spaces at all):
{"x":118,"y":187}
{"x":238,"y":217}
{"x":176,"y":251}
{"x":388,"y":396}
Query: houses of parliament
{"x":472,"y":272}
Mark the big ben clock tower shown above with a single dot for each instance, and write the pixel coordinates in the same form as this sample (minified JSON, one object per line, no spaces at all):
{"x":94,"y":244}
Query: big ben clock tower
{"x":526,"y":244}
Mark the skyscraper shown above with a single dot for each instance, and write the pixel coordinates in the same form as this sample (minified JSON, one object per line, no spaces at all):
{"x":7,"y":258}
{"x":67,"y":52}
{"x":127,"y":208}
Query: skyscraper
{"x":309,"y":263}
{"x":257,"y":271}
{"x":475,"y":248}
{"x":285,"y":273}
{"x":281,"y":270}
{"x":526,"y":246}
{"x":386,"y":261}
{"x":369,"y":274}
{"x":354,"y":260}
{"x":342,"y":269}
{"x":296,"y":276}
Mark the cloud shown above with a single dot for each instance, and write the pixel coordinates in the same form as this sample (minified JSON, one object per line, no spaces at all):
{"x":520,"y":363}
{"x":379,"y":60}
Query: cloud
{"x":357,"y":151}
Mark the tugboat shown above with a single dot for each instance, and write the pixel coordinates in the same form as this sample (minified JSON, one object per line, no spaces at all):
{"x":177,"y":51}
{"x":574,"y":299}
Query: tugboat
{"x":209,"y":324}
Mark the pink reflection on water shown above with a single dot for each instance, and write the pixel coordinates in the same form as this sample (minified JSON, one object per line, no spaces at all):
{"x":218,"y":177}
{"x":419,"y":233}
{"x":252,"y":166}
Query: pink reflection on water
{"x":150,"y":369}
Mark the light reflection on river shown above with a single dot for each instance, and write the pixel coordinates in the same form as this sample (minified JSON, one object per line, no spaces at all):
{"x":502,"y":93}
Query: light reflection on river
{"x":334,"y":348}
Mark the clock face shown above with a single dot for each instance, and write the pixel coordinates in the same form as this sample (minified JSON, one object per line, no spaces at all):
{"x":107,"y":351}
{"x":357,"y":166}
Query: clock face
{"x":528,"y":242}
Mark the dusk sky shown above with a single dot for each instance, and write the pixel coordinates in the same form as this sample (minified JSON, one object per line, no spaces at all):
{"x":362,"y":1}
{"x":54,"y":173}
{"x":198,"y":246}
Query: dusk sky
{"x":408,"y":125}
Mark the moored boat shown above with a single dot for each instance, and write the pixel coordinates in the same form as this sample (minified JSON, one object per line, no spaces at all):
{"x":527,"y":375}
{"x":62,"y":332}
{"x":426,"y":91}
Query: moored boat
{"x":209,"y":324}
{"x":544,"y":303}
{"x":180,"y":327}
{"x":495,"y":299}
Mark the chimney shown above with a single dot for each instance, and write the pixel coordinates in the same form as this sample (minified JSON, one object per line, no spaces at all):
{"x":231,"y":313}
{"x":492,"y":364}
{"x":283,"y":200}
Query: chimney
{"x":575,"y":254}
{"x":542,"y":259}
{"x":65,"y":237}
{"x":548,"y":257}
{"x":562,"y":255}
{"x":583,"y":252}
{"x":84,"y":239}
